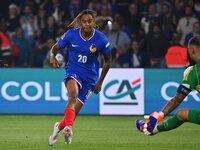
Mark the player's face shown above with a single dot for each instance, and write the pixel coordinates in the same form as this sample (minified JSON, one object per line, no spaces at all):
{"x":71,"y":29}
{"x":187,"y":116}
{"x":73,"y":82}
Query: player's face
{"x":87,"y":23}
{"x":192,"y":52}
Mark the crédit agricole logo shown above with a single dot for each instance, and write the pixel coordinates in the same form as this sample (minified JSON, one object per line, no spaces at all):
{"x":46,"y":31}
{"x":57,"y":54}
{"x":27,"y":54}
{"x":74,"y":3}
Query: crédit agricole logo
{"x":123,"y":92}
{"x":125,"y":84}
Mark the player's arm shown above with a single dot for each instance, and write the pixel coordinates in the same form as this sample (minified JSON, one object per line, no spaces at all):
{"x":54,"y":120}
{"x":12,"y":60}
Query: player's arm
{"x":53,"y":61}
{"x":181,"y":93}
{"x":188,"y":83}
{"x":173,"y":103}
{"x":106,"y":67}
{"x":155,"y":117}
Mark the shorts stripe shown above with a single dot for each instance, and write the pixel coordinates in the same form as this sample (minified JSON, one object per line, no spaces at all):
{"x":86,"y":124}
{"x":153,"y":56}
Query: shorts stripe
{"x":80,"y":101}
{"x":74,"y":80}
{"x":77,"y":82}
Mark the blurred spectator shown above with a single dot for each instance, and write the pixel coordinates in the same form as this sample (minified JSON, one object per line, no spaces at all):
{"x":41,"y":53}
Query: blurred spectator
{"x":157,"y":50}
{"x":27,"y":12}
{"x":95,"y":5}
{"x":66,"y":23}
{"x":177,"y":55}
{"x":59,"y":56}
{"x":195,"y":32}
{"x":185,"y":24}
{"x":133,"y":20}
{"x":100,"y":21}
{"x":12,"y":20}
{"x":168,"y":19}
{"x":122,"y":24}
{"x":107,"y":8}
{"x":43,"y":4}
{"x":76,"y":6}
{"x":24,"y":59}
{"x":32,"y":3}
{"x":177,"y":8}
{"x":41,"y":20}
{"x":5,"y":50}
{"x":51,"y":29}
{"x":54,"y":9}
{"x":197,"y":8}
{"x":104,"y":13}
{"x":40,"y":52}
{"x":148,"y":20}
{"x":29,"y":27}
{"x":119,"y":42}
{"x":106,"y":26}
{"x":134,"y":57}
{"x":45,"y":19}
{"x":159,"y":5}
{"x":143,"y":7}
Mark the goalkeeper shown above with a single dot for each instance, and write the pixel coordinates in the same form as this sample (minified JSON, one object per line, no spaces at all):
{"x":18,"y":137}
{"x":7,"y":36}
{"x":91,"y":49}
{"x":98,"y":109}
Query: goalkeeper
{"x":190,"y":81}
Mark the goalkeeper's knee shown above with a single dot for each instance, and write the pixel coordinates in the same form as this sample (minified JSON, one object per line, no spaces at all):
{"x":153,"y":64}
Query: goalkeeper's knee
{"x":183,"y":114}
{"x":194,"y":116}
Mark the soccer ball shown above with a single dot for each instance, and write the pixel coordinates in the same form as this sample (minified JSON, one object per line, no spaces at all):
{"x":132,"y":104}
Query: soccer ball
{"x":60,"y":60}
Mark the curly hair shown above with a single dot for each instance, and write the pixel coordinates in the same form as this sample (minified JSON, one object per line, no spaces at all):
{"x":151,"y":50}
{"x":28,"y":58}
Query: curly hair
{"x":76,"y":22}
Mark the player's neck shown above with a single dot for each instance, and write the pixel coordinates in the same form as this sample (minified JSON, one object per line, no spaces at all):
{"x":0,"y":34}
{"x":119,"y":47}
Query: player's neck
{"x":86,"y":35}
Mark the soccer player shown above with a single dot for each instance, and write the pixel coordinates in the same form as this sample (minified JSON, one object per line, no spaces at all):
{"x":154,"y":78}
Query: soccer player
{"x":190,"y":81}
{"x":82,"y":70}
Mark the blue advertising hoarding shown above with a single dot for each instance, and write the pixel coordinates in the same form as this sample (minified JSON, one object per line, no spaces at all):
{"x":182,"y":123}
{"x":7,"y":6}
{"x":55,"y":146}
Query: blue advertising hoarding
{"x":37,"y":91}
{"x":161,"y":86}
{"x":42,"y":91}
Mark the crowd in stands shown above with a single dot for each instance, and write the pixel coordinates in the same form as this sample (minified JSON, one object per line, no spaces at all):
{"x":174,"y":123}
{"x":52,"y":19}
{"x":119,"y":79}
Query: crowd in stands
{"x":142,"y":33}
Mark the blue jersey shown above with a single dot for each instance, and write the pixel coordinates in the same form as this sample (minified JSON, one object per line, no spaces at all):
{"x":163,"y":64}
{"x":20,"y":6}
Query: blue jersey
{"x":83,"y":54}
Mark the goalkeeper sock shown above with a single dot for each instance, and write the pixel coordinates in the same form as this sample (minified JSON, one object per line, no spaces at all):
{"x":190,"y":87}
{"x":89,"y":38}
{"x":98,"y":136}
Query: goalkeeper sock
{"x":194,"y":116}
{"x":171,"y":123}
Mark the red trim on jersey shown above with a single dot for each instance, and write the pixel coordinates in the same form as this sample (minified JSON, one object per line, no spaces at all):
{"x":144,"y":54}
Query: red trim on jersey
{"x":83,"y":37}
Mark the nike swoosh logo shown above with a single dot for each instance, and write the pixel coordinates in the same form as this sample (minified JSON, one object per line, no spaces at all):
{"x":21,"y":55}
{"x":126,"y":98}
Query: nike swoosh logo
{"x":73,"y":45}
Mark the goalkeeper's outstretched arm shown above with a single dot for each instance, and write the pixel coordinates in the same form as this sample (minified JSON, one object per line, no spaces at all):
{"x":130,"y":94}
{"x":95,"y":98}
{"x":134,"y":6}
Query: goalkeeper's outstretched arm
{"x":173,"y":103}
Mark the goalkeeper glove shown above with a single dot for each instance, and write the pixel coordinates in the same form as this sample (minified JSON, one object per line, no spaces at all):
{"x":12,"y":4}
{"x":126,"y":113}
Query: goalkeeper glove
{"x":152,"y":121}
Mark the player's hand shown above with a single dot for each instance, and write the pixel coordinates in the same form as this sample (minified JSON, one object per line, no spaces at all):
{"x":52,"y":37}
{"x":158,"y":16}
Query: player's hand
{"x":152,"y":121}
{"x":54,"y":62}
{"x":149,"y":125}
{"x":97,"y":88}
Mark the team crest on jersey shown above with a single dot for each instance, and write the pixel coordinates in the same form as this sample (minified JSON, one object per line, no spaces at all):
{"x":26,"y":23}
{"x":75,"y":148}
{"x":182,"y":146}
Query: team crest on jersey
{"x":92,"y":48}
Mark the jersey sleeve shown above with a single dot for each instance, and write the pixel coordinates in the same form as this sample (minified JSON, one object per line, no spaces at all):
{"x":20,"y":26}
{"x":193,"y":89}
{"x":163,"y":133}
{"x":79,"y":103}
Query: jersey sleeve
{"x":106,"y":47}
{"x":190,"y":77}
{"x":64,"y":40}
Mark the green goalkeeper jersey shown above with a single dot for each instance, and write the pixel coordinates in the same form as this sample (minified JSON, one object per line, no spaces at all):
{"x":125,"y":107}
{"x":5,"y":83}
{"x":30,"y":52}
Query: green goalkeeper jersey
{"x":191,"y":77}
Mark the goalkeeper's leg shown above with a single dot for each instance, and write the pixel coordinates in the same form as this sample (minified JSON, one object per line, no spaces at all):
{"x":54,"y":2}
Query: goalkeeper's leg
{"x":181,"y":116}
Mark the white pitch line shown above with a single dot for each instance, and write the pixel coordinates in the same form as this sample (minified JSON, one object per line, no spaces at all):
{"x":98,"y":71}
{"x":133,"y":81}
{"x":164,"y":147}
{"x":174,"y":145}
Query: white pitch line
{"x":89,"y":129}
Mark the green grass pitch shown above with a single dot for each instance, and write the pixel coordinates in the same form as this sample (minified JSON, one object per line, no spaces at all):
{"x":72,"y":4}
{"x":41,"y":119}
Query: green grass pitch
{"x":31,"y":132}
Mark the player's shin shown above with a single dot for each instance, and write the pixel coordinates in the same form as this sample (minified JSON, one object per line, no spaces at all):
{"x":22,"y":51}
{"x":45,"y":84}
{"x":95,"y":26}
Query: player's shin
{"x":69,"y":117}
{"x":171,"y":123}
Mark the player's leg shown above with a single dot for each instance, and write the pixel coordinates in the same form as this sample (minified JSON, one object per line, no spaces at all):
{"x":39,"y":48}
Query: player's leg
{"x":67,"y":131}
{"x":182,"y":115}
{"x":73,"y":91}
{"x":78,"y":107}
{"x":172,"y":122}
{"x":69,"y":116}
